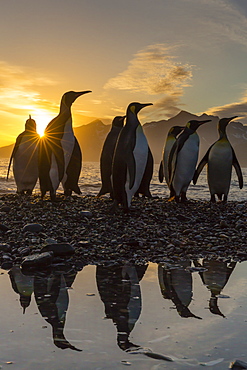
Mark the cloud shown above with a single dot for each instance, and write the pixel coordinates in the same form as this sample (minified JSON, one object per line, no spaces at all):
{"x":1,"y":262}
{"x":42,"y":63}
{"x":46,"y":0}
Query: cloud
{"x":223,"y":21}
{"x":233,"y":109}
{"x":153,"y":71}
{"x":18,"y":89}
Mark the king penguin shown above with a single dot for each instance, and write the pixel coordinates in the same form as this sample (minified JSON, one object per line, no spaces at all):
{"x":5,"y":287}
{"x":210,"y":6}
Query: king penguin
{"x":60,"y":157}
{"x":130,"y":158}
{"x":25,"y":159}
{"x":170,"y":140}
{"x":107,"y":155}
{"x":220,"y":158}
{"x":182,"y":160}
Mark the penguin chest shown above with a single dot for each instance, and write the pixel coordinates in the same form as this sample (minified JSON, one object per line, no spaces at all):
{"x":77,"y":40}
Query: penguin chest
{"x":25,"y":164}
{"x":186,"y":163}
{"x":68,"y":142}
{"x":167,"y":149}
{"x":140,"y":154}
{"x":220,"y":167}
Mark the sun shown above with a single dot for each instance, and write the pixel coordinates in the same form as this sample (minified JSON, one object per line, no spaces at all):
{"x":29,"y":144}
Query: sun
{"x":42,"y":118}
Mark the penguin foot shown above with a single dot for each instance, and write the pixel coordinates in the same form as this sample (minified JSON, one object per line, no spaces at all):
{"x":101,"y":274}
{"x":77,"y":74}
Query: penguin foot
{"x":171,"y":198}
{"x":183,"y":197}
{"x":213,"y":200}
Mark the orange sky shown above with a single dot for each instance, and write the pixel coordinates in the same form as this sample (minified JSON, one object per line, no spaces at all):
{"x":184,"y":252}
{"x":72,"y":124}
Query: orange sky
{"x":176,"y":54}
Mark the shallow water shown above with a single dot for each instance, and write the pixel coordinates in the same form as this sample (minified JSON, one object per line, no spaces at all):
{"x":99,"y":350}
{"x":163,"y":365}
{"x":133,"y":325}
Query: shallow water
{"x":146,"y":313}
{"x":90,"y":183}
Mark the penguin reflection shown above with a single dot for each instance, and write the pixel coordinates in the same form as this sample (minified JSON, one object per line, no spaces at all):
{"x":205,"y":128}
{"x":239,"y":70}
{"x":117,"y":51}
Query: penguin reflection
{"x":176,"y":284}
{"x":120,"y":292}
{"x":22,"y":285}
{"x":215,"y":277}
{"x":51,"y":295}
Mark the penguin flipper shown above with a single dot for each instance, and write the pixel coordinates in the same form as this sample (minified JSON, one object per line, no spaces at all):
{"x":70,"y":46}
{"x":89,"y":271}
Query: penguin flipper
{"x":161,"y":172}
{"x":237,"y":167}
{"x":131,"y":168}
{"x":200,"y":166}
{"x":172,"y":161}
{"x":16,"y":146}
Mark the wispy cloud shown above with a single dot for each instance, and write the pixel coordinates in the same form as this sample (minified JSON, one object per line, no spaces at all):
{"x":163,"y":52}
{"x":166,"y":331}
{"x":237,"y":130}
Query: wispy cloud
{"x":19,"y":89}
{"x":153,"y":71}
{"x":222,"y":19}
{"x":234,"y":109}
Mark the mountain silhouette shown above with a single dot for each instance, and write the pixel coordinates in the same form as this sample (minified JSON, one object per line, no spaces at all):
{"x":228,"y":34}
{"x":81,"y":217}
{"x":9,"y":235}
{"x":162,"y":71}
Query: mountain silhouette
{"x":92,"y":135}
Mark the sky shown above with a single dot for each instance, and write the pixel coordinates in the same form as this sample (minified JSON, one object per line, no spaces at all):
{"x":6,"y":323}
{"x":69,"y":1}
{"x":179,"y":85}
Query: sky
{"x":177,"y":54}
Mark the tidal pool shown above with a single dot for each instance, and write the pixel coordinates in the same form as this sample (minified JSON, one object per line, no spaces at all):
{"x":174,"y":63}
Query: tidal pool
{"x":193,"y":313}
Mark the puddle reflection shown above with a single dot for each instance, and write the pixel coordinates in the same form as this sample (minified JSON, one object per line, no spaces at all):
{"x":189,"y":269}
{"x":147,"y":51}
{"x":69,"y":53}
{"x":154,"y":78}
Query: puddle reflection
{"x":120,"y":291}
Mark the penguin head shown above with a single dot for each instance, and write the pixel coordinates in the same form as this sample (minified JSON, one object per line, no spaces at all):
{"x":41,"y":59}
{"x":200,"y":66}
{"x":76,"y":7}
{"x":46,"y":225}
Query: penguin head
{"x":175,"y":130}
{"x":194,"y":124}
{"x":136,"y":107}
{"x":118,"y":121}
{"x":30,"y":125}
{"x":223,"y":122}
{"x":70,"y":96}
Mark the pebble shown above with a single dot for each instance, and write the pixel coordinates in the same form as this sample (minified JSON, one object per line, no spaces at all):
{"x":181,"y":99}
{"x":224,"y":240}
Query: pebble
{"x":59,"y":249}
{"x":37,"y":260}
{"x":33,"y":228}
{"x":154,"y":230}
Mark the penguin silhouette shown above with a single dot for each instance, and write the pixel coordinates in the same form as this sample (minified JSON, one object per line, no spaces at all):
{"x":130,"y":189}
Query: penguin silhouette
{"x":182,"y":160}
{"x":170,"y":140}
{"x":107,"y":155}
{"x":25,"y":159}
{"x":220,"y":158}
{"x":130,"y":158}
{"x":60,"y":157}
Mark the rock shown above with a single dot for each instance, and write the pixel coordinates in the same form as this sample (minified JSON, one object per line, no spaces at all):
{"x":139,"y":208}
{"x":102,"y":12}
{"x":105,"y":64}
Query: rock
{"x":37,"y":260}
{"x":87,"y":214}
{"x":7,"y":265}
{"x":4,"y":228}
{"x":33,"y":228}
{"x":6,"y":209}
{"x":59,"y":249}
{"x":4,"y":247}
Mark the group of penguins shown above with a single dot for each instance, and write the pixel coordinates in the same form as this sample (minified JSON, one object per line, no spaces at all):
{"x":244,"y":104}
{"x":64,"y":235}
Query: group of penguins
{"x":126,"y":162}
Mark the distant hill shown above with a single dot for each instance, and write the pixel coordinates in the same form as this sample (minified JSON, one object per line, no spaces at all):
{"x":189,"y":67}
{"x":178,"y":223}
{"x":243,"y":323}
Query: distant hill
{"x":91,"y":136}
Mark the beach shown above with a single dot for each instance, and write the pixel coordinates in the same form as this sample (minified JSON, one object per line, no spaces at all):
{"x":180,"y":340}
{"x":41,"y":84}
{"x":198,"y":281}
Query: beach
{"x":155,"y":230}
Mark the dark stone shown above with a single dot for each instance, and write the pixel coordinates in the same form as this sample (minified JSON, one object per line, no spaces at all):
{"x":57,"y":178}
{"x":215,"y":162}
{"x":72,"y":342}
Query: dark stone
{"x":59,"y":249}
{"x":4,"y":228}
{"x":6,"y":209}
{"x":37,"y":260}
{"x":34,"y":228}
{"x":4,"y":247}
{"x":87,"y":214}
{"x":7,"y":265}
{"x":24,"y":251}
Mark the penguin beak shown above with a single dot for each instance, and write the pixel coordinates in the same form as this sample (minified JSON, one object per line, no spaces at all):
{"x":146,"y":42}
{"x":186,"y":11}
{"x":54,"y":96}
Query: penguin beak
{"x":205,"y":121}
{"x":79,"y":93}
{"x":230,"y":119}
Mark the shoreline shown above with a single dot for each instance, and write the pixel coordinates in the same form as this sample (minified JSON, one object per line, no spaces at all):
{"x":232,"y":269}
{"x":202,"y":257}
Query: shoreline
{"x":154,"y":231}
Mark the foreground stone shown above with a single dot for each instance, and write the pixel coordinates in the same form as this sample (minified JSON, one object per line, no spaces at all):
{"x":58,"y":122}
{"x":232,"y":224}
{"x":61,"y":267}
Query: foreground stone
{"x":155,"y":230}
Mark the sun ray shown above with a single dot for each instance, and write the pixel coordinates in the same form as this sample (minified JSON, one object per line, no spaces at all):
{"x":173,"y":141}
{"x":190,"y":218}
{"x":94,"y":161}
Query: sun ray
{"x":42,"y":118}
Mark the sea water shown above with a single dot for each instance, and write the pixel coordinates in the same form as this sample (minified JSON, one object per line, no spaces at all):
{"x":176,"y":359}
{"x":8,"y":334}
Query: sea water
{"x":90,"y":183}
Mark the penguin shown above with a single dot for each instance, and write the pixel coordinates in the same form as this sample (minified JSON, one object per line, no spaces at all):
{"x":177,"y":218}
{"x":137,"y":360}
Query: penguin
{"x":60,"y":157}
{"x":130,"y":158}
{"x":144,"y":187}
{"x":107,"y":155}
{"x":25,"y":159}
{"x":182,"y":160}
{"x":170,"y":140}
{"x":220,"y":158}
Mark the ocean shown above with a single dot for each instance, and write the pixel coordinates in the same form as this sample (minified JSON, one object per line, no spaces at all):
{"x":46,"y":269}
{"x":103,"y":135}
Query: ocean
{"x":90,"y":183}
